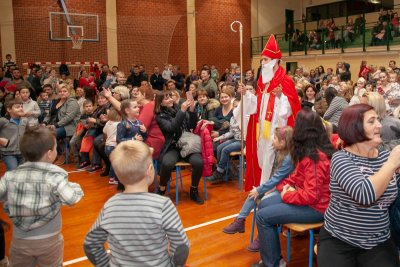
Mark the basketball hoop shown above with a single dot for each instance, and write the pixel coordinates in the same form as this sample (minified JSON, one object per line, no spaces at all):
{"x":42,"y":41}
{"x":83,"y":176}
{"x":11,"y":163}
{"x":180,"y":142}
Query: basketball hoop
{"x":77,"y":41}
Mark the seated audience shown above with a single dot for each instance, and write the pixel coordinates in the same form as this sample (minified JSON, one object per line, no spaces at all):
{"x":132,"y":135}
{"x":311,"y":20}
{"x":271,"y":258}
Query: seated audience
{"x":173,"y":121}
{"x":303,"y":196}
{"x":205,"y":106}
{"x":63,"y":117}
{"x":336,"y":104}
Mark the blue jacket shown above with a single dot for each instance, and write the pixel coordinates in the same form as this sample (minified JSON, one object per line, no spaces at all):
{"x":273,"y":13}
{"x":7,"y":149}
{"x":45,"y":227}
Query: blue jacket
{"x":281,"y":173}
{"x":127,"y":130}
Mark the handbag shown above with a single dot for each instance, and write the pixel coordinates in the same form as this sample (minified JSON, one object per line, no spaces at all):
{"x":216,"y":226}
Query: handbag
{"x":189,"y":143}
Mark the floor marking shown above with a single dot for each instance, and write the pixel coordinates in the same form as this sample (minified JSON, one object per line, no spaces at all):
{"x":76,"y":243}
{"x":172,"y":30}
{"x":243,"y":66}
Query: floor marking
{"x":186,"y":230}
{"x":76,"y":171}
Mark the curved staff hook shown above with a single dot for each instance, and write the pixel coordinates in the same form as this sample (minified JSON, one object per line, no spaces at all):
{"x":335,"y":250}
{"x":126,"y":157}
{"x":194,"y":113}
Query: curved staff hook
{"x":241,"y":99}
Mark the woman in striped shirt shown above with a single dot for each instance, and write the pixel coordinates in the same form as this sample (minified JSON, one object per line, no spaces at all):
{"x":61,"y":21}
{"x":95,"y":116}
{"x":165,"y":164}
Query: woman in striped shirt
{"x":363,"y":186}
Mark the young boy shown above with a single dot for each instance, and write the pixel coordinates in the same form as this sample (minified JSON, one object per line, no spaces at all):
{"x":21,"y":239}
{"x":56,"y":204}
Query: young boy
{"x":81,"y":129}
{"x":9,"y":63}
{"x":138,"y":225}
{"x":11,"y":132}
{"x":33,"y":195}
{"x":44,"y":105}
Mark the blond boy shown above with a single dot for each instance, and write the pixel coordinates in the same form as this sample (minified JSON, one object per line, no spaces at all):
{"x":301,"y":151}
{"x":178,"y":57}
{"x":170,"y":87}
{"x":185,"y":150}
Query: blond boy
{"x":139,"y":226}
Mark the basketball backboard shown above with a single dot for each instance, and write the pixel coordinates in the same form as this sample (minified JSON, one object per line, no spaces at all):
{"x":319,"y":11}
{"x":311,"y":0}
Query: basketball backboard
{"x":86,"y":25}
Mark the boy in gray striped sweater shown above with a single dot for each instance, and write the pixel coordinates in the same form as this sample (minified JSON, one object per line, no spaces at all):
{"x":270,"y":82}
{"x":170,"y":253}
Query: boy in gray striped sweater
{"x":139,"y":226}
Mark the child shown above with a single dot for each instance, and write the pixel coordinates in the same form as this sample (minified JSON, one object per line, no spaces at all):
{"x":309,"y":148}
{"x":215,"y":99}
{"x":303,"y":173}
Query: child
{"x":142,"y":229}
{"x":31,"y":107}
{"x":228,"y":146}
{"x":83,"y":129}
{"x":33,"y":195}
{"x":283,"y":166}
{"x":110,"y":135}
{"x":130,"y":128}
{"x":44,"y":105}
{"x":11,"y":132}
{"x":9,"y":63}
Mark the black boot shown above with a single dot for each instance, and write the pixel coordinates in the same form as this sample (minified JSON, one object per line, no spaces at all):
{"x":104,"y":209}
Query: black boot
{"x":194,"y":195}
{"x":106,"y":171}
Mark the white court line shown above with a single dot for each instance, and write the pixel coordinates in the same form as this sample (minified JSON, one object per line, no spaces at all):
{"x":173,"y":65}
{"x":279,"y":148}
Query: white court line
{"x":76,"y":171}
{"x":186,"y":230}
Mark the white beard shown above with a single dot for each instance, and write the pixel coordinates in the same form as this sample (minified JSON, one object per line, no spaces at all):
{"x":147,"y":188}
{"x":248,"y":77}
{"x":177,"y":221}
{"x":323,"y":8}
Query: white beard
{"x":268,"y":71}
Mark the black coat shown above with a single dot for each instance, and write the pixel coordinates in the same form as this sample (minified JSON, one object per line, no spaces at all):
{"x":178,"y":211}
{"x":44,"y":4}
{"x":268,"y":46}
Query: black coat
{"x":172,"y":123}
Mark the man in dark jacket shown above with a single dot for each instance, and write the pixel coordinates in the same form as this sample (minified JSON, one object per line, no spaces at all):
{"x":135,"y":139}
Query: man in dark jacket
{"x":156,"y":79}
{"x":136,"y":77}
{"x":178,"y":77}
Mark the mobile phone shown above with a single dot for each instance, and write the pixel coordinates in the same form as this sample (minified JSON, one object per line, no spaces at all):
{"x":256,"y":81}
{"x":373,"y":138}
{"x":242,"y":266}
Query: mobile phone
{"x":189,"y":95}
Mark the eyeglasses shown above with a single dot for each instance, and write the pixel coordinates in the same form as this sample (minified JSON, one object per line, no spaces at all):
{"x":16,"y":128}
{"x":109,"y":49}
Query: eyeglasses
{"x":168,"y":95}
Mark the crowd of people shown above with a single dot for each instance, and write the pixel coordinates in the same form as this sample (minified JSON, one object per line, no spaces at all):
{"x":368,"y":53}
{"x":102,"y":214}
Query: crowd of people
{"x":335,"y":162}
{"x":329,"y":35}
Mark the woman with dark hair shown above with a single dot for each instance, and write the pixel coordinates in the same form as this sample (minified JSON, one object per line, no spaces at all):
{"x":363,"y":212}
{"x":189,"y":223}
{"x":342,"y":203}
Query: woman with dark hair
{"x":320,"y":76}
{"x":173,"y":121}
{"x":304,"y":195}
{"x":363,"y":186}
{"x":155,"y":138}
{"x":310,"y":95}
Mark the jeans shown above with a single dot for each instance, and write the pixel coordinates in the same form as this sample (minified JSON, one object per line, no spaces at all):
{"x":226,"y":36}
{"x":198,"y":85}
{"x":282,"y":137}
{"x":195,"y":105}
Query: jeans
{"x":108,"y":150}
{"x":171,"y":157}
{"x":249,"y":204}
{"x":99,"y":152}
{"x":60,"y":134}
{"x":272,"y":211}
{"x":223,"y":151}
{"x":12,"y":161}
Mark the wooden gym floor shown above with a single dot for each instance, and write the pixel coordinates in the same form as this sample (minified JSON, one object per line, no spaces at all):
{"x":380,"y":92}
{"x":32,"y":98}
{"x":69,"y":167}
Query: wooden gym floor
{"x":203,"y":224}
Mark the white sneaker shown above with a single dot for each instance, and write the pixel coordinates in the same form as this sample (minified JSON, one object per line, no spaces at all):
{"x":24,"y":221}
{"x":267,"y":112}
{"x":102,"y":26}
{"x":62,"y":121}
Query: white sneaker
{"x":282,"y":263}
{"x":112,"y":181}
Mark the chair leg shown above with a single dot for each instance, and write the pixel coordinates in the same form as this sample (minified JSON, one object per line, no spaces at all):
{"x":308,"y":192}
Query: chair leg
{"x":205,"y":188}
{"x":180,"y":177}
{"x":288,"y":245}
{"x":66,"y":151}
{"x":155,"y":175}
{"x":310,"y":249}
{"x":253,"y":224}
{"x":240,"y":173}
{"x":177,"y":170}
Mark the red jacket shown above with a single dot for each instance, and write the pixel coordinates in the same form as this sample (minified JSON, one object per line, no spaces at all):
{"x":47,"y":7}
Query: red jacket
{"x":311,"y":181}
{"x":155,"y":137}
{"x":207,"y":152}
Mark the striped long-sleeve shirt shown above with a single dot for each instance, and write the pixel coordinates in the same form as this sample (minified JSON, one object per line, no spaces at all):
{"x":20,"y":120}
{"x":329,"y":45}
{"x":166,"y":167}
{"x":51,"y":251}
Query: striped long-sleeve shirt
{"x":137,"y":227}
{"x":354,"y":215}
{"x":335,"y":110}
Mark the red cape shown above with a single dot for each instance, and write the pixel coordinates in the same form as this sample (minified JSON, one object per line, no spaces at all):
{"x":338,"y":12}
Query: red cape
{"x":253,"y":170}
